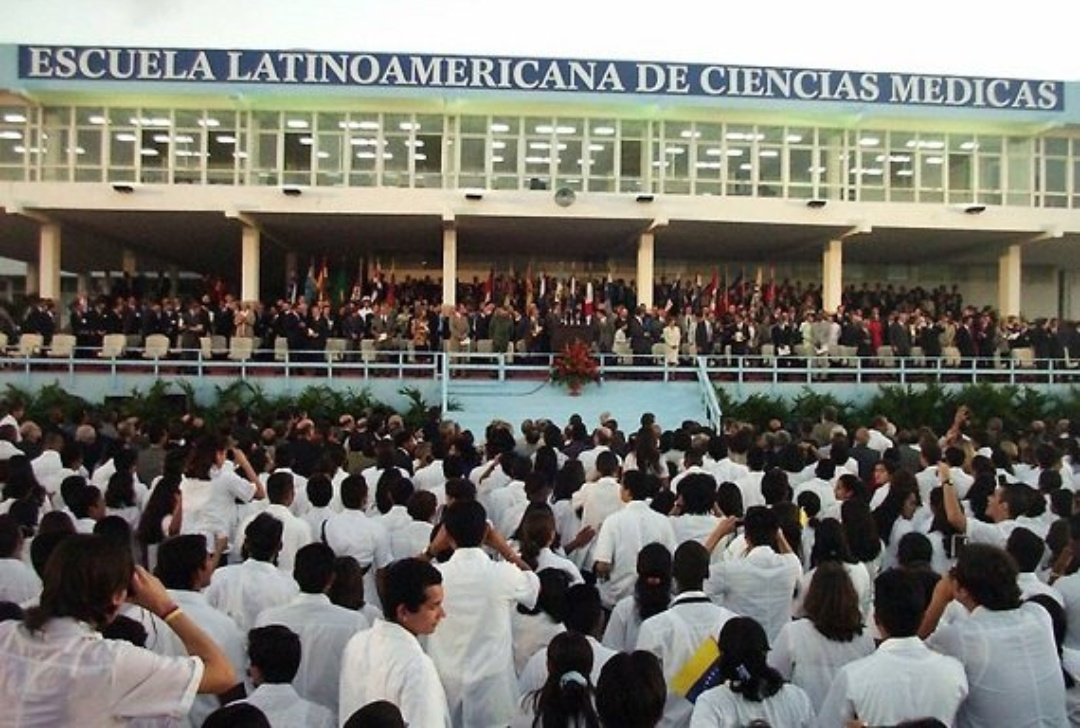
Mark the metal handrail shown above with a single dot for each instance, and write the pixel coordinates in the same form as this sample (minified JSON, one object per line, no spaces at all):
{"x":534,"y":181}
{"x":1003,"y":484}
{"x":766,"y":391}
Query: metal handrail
{"x":435,"y":365}
{"x":708,"y":393}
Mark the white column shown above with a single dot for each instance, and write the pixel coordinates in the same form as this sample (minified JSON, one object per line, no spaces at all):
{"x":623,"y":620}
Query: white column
{"x":129,"y":262}
{"x":832,"y":279}
{"x":1009,"y":281}
{"x":449,"y":263}
{"x":49,"y":261}
{"x":646,"y":254}
{"x":249,"y":264}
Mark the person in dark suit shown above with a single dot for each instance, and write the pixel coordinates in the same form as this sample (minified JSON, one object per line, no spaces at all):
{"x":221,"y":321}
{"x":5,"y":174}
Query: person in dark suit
{"x":640,"y":334}
{"x":864,"y":455}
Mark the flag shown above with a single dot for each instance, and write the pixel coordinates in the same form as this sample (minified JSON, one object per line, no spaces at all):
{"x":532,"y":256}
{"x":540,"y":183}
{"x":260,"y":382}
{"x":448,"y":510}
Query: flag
{"x":770,"y":292}
{"x":489,"y":285}
{"x":573,"y":286}
{"x":339,"y":285}
{"x":391,"y":290}
{"x":528,"y":285}
{"x":587,"y":308}
{"x":321,"y":280}
{"x":543,"y":285}
{"x":376,"y":282}
{"x":699,"y":673}
{"x":310,"y":283}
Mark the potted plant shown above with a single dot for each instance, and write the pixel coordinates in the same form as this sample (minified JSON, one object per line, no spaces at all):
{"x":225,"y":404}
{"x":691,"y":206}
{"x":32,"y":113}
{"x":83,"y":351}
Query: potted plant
{"x":575,"y":367}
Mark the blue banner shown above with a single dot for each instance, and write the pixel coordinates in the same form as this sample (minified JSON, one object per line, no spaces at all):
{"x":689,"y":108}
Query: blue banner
{"x":501,"y":73}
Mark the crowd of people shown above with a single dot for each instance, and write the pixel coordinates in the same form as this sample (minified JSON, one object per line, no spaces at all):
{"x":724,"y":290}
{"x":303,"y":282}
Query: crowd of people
{"x":527,"y":314}
{"x":360,"y":572}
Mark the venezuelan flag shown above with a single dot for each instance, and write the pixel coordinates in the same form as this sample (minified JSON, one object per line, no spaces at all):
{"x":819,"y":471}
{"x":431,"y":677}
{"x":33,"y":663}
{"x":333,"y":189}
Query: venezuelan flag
{"x":699,"y":673}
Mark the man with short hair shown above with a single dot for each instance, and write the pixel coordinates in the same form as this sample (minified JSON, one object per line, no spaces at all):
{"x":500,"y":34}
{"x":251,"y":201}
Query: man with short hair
{"x":473,"y":649}
{"x":387,"y":662}
{"x":761,"y":584}
{"x":244,"y":590}
{"x":352,"y":533}
{"x":184,"y":567}
{"x":624,"y":533}
{"x":904,"y":680}
{"x":275,"y":652}
{"x":295,"y":534}
{"x":324,"y":628}
{"x":676,"y":634}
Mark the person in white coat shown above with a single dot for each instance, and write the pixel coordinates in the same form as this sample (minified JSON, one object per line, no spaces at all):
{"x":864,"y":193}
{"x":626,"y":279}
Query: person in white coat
{"x":324,"y":628}
{"x":244,"y":590}
{"x":184,"y":566}
{"x":690,"y":621}
{"x":904,"y":679}
{"x":386,"y":662}
{"x":296,"y":533}
{"x":473,"y":650}
{"x":211,"y":488}
{"x":275,"y":652}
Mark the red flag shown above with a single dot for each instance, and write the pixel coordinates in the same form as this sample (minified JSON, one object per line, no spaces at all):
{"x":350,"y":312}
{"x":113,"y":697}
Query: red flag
{"x":770,"y":292}
{"x":489,"y":285}
{"x":587,"y":307}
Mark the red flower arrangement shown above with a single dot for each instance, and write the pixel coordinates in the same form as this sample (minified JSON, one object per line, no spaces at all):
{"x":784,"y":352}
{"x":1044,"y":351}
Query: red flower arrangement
{"x":574,"y":367}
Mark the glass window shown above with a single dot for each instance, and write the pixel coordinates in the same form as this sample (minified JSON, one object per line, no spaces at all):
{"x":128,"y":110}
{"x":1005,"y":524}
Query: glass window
{"x":427,"y":148}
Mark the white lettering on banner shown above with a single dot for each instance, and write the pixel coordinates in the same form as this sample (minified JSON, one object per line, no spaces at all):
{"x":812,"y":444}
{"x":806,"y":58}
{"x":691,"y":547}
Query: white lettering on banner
{"x":40,"y":63}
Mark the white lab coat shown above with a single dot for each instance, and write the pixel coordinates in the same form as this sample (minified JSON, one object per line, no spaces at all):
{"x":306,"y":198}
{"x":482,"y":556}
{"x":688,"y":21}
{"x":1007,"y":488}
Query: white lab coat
{"x":472,"y":648}
{"x":284,"y":708}
{"x":244,"y":590}
{"x":324,"y":630}
{"x":387,"y":663}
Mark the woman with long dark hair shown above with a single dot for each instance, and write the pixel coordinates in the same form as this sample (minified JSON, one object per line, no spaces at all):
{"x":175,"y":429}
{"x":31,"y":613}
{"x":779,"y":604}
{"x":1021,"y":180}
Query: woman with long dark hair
{"x":810,"y":652}
{"x":566,"y":700}
{"x":652,"y":595}
{"x":161,"y":518}
{"x":750,"y":690}
{"x":830,"y":545}
{"x":533,"y":629}
{"x":211,"y":487}
{"x":894,"y":516}
{"x":862,"y":534}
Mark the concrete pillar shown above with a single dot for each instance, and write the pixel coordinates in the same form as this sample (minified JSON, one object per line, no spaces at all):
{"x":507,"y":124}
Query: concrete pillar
{"x":832,"y":279}
{"x":49,"y":261}
{"x":646,"y":259}
{"x":249,"y":264}
{"x":1009,"y":281}
{"x":33,"y":278}
{"x":129,"y":262}
{"x":449,"y":263}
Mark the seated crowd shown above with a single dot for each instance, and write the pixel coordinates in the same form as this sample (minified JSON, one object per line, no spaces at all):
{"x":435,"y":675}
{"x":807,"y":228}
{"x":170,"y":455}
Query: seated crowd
{"x":515,"y":314}
{"x":363,"y":573}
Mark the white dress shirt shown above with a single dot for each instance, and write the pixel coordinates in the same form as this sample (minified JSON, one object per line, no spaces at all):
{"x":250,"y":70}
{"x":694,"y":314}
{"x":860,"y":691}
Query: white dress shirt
{"x":284,"y":708}
{"x":727,"y":471}
{"x":410,"y":540}
{"x":598,"y":500}
{"x":504,"y":503}
{"x":81,"y":679}
{"x":394,"y":520}
{"x":244,"y":590}
{"x":750,"y":487}
{"x":387,"y":663}
{"x":1030,"y":586}
{"x":760,"y":585}
{"x":429,"y":477}
{"x":811,"y":660}
{"x":210,"y":505}
{"x":674,"y":636}
{"x":548,"y":559}
{"x":351,"y":533}
{"x":1014,"y":674}
{"x":621,"y":538}
{"x":223,"y":630}
{"x":324,"y":630}
{"x":720,"y":707}
{"x":472,"y":648}
{"x":18,"y":582}
{"x":532,"y":633}
{"x":621,"y":633}
{"x":903,"y":680}
{"x":535,"y":673}
{"x":1069,"y":589}
{"x":316,"y":517}
{"x":295,"y":535}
